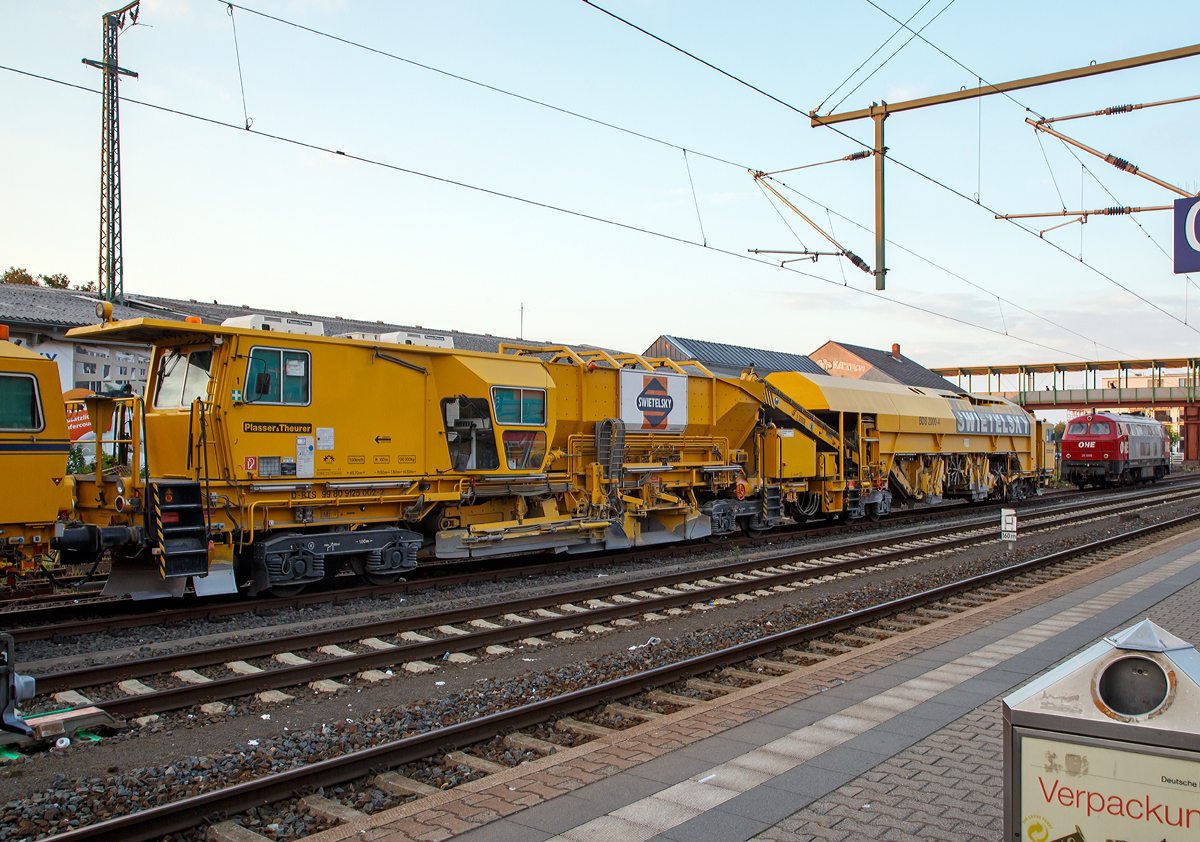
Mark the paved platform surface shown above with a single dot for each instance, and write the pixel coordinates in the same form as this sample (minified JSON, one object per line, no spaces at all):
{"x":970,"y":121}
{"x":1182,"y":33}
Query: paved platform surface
{"x":900,"y":741}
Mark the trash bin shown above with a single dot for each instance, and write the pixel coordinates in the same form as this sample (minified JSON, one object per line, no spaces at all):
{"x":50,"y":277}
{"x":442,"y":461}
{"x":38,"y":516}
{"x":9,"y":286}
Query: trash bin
{"x":1106,"y":747}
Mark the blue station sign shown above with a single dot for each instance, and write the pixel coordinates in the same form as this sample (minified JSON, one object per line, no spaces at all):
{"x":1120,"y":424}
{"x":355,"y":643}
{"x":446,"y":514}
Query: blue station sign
{"x":1187,"y":235}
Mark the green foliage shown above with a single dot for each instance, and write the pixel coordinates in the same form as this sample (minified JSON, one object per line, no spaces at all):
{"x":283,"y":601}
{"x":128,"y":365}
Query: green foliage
{"x":77,"y":464}
{"x":18,"y":276}
{"x":90,"y":286}
{"x":1059,"y":429}
{"x":55,"y":281}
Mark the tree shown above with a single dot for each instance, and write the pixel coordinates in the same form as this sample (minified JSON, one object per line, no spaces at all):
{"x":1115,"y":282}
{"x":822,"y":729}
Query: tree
{"x":18,"y":276}
{"x":55,"y":281}
{"x":90,"y":286}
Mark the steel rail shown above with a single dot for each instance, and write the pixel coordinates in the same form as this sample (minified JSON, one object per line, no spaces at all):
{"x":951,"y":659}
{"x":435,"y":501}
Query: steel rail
{"x":64,"y":615}
{"x":157,"y":822}
{"x":290,"y":676}
{"x":68,"y":619}
{"x":65,"y":611}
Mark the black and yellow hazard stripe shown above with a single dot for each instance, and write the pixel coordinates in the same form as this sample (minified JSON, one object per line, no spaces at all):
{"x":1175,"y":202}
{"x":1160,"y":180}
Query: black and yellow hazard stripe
{"x":158,"y":528}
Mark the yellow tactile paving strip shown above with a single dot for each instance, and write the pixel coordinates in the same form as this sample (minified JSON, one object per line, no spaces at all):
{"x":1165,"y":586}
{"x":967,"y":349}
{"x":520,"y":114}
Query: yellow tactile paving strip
{"x":474,"y":804}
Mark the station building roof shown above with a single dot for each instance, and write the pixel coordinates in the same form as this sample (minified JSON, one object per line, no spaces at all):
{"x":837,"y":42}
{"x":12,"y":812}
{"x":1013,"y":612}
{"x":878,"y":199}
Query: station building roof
{"x":37,"y":309}
{"x":53,"y":310}
{"x":730,"y":360}
{"x":842,"y":359}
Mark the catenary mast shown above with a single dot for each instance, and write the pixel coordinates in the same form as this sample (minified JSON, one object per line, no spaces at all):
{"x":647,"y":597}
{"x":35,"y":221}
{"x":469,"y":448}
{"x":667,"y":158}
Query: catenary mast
{"x":110,"y":285}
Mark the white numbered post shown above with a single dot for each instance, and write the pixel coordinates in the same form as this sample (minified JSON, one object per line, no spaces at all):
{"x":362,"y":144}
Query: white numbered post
{"x":1008,"y":526}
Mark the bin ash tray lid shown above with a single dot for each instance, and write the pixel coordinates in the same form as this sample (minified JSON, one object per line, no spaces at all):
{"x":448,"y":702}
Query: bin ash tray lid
{"x":1143,"y":677}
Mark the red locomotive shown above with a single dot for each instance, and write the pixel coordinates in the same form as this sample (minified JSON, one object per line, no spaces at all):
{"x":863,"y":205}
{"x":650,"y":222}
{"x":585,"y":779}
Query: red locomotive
{"x":1103,"y":448}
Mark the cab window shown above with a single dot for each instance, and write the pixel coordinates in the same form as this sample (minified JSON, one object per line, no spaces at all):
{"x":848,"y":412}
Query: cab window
{"x":182,"y":377}
{"x":20,"y":408}
{"x":278,"y":375}
{"x":1077,"y":429}
{"x":524,"y":449}
{"x":1099,"y":428}
{"x":470,"y":436}
{"x":519,"y":406}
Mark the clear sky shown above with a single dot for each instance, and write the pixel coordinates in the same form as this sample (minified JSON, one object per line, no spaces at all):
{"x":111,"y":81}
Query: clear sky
{"x":212,"y":212}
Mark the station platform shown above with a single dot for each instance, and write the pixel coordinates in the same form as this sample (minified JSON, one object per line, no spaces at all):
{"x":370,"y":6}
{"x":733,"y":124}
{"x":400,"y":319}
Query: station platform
{"x":898,"y":741}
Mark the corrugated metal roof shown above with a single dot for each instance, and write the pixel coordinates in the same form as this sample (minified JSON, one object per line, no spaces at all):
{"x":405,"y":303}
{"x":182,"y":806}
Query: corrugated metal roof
{"x":903,"y":370}
{"x":56,"y":308}
{"x":62,"y":309}
{"x":740,"y":357}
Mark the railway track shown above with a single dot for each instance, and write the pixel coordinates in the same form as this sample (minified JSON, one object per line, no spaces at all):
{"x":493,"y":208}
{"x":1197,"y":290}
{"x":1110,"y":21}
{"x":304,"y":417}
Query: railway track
{"x":63,"y":615}
{"x":686,"y":682}
{"x":410,"y":643}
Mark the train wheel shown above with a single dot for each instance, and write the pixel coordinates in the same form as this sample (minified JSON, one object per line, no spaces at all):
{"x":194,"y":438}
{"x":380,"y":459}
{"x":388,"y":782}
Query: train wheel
{"x":873,"y":512}
{"x":751,"y":531}
{"x":286,"y":591}
{"x":358,"y":563}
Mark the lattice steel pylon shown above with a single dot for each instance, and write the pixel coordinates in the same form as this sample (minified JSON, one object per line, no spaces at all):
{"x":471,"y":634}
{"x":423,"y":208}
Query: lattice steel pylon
{"x":111,"y":284}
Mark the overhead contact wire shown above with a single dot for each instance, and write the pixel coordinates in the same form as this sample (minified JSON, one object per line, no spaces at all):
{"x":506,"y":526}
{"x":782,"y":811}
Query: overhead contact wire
{"x":779,"y":213}
{"x":534,"y":203}
{"x":951,"y":272}
{"x":894,"y":160}
{"x":952,"y":58}
{"x":484,"y":85}
{"x":872,"y":55}
{"x":695,"y":200}
{"x":238,"y":54}
{"x":916,"y":34}
{"x":1132,"y":218}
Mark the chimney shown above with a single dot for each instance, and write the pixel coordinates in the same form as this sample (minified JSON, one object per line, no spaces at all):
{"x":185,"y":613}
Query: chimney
{"x":896,"y":351}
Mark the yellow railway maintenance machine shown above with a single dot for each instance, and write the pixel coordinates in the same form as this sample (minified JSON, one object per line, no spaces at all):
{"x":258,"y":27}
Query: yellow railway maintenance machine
{"x":920,"y":444}
{"x":37,"y":503}
{"x":274,"y":458}
{"x":34,"y":443}
{"x":277,"y":457}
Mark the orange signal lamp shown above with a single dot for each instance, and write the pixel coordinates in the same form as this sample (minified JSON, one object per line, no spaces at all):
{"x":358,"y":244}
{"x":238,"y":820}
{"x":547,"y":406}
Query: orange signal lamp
{"x":192,"y":320}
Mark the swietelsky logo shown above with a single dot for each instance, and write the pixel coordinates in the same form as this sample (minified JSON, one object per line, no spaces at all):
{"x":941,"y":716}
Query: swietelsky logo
{"x":654,"y":403}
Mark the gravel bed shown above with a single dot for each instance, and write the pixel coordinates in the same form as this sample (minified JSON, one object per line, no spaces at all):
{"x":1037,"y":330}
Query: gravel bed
{"x":73,"y":803}
{"x":170,"y":638}
{"x":117,"y":645}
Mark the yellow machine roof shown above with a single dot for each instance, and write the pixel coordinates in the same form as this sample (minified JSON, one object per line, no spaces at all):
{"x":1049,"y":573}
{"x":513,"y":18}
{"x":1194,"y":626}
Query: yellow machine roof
{"x":13,"y":351}
{"x":841,"y":394}
{"x":156,"y":331}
